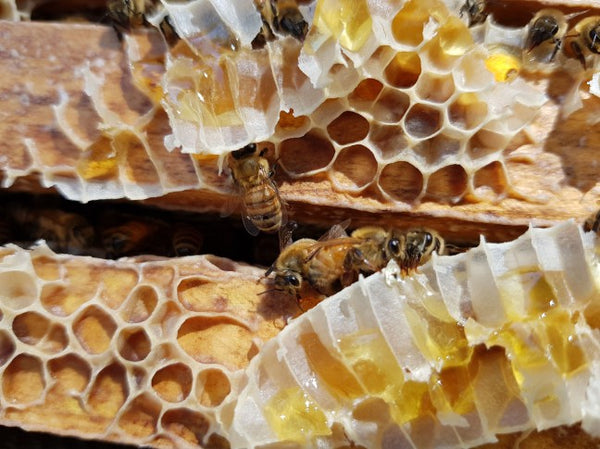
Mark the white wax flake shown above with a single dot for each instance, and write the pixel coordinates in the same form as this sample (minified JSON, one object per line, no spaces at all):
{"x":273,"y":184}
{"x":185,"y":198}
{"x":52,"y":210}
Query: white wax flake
{"x":594,"y":84}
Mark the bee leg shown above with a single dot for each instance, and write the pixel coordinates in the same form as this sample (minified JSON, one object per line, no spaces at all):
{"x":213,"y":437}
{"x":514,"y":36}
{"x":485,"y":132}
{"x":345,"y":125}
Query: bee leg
{"x":119,"y":31}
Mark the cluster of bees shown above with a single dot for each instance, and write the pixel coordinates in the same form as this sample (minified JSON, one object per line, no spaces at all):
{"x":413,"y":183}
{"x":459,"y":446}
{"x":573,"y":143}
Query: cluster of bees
{"x":336,"y":259}
{"x":104,"y":234}
{"x":548,"y":32}
{"x":550,"y":27}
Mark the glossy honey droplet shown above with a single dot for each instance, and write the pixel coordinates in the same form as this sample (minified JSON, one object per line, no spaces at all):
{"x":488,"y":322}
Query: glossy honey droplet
{"x":455,"y":37}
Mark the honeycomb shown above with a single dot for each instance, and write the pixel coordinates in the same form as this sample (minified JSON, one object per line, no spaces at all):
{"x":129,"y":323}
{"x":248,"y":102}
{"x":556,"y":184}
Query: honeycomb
{"x":407,"y":107}
{"x":392,"y":100}
{"x":500,"y":339}
{"x":189,"y":352}
{"x":381,"y":97}
{"x":146,"y":352}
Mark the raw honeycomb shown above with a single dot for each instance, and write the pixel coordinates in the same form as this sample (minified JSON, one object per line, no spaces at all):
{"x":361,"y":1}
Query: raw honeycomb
{"x":407,"y":106}
{"x":393,"y":100}
{"x":343,"y":115}
{"x":141,"y":352}
{"x":500,"y":339}
{"x":189,"y":352}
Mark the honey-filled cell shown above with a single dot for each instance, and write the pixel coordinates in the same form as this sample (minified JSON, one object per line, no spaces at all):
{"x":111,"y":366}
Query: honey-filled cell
{"x":404,"y":70}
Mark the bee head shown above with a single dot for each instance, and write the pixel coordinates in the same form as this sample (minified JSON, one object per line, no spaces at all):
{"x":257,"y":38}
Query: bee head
{"x":116,"y":243}
{"x":294,"y":24}
{"x":420,"y":244}
{"x":289,"y":282}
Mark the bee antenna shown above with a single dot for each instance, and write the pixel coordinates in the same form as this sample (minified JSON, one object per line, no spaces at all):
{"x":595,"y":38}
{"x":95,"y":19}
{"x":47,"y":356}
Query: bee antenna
{"x":268,"y":272}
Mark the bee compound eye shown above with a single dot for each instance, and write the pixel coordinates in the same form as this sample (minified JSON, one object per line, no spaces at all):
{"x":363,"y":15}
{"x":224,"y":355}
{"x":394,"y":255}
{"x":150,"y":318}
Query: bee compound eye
{"x":292,"y":280}
{"x":428,"y":238}
{"x":394,"y":246}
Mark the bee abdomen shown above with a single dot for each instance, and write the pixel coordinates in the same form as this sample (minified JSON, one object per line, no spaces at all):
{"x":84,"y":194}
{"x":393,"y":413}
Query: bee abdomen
{"x":264,"y":208}
{"x":187,"y":241}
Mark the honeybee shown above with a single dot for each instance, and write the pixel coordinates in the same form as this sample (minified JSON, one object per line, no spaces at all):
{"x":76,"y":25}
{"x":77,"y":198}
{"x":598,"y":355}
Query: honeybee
{"x":62,"y":231}
{"x":378,"y":246}
{"x":186,"y":240}
{"x":325,"y":268}
{"x":131,"y":237}
{"x":281,"y":16}
{"x":320,"y":262}
{"x":128,"y":14}
{"x":476,"y":11}
{"x":586,"y":39}
{"x":546,"y":31}
{"x":262,"y":207}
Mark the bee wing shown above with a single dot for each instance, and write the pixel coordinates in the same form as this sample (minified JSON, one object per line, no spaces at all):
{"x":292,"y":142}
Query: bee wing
{"x":250,"y":227}
{"x":234,"y":203}
{"x":451,"y":249}
{"x":337,"y":231}
{"x":336,"y":235}
{"x":285,"y":234}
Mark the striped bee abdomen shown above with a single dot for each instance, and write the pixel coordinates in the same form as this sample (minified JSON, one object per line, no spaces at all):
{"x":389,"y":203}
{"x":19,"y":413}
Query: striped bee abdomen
{"x":263,"y":207}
